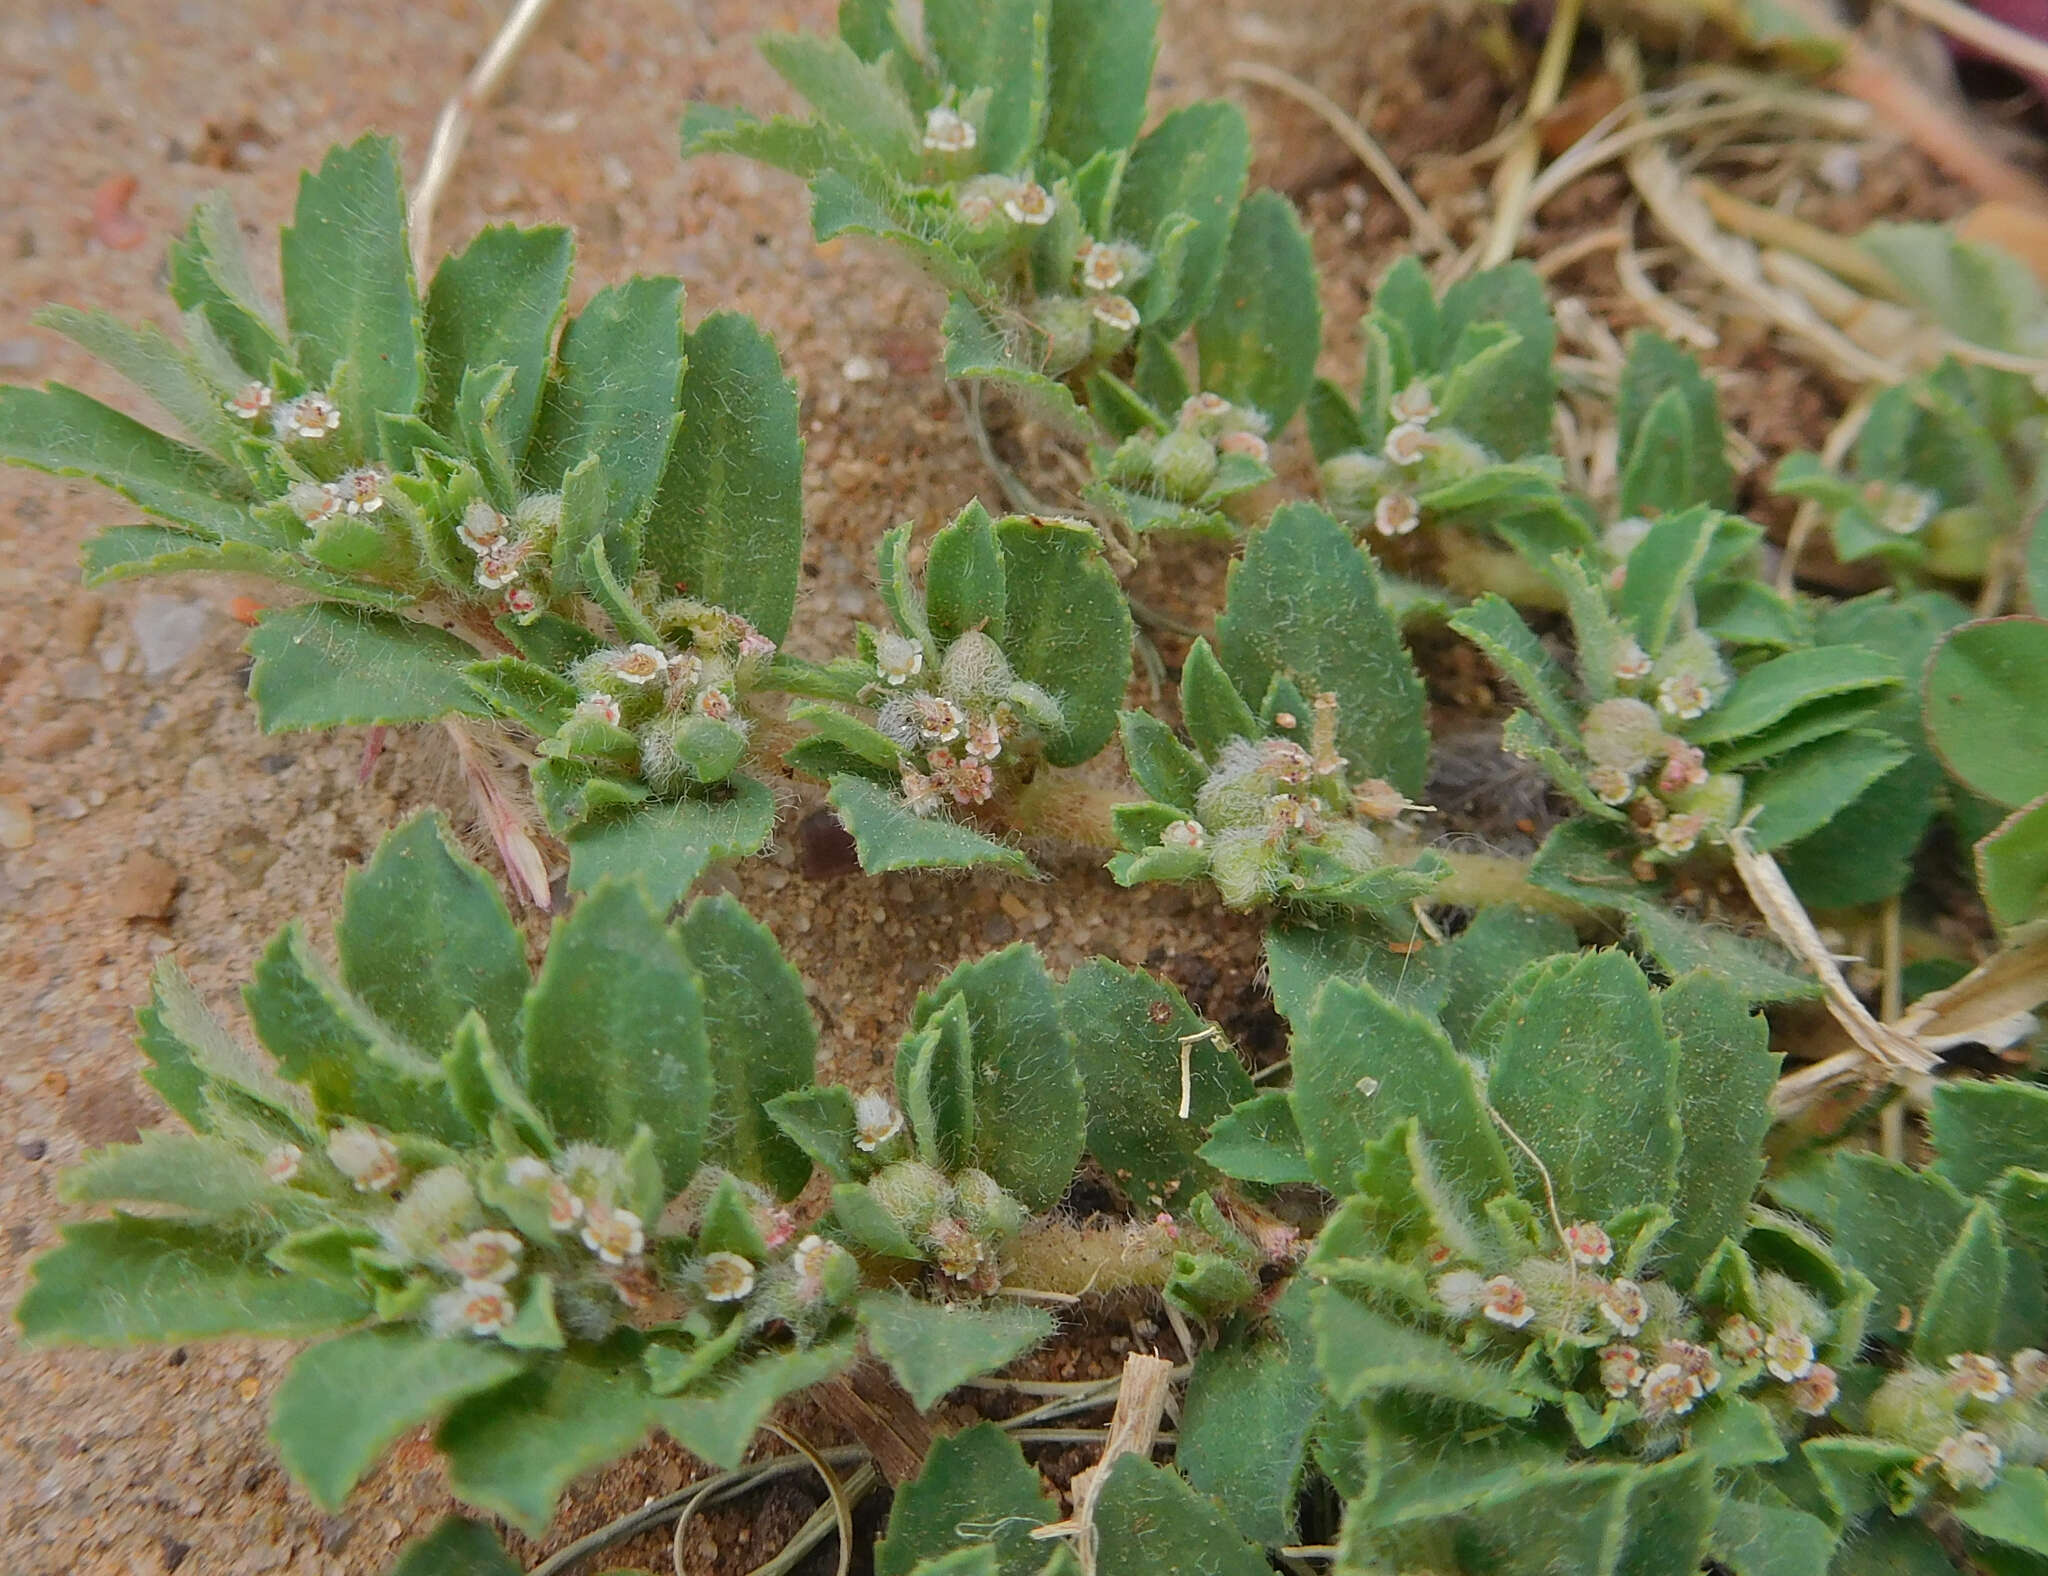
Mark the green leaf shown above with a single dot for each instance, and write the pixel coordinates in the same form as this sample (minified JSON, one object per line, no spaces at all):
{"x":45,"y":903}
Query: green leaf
{"x":1981,"y":1129}
{"x":348,"y":286}
{"x":65,"y":433}
{"x":123,"y":1281}
{"x":210,"y":282}
{"x":933,"y":1348}
{"x":718,"y":1422}
{"x":498,"y":302}
{"x":1895,"y":1225}
{"x":1363,"y":1066}
{"x":614,"y":393}
{"x":728,"y":524}
{"x":1798,"y":795}
{"x":820,"y":1122}
{"x":1212,"y":707}
{"x":320,"y":665}
{"x":1028,"y":1112}
{"x":1148,"y":1520}
{"x":614,"y":1032}
{"x":1067,"y":628}
{"x":2012,"y":865}
{"x":964,"y":583}
{"x":1493,"y":625}
{"x":1582,"y":1070}
{"x":1305,"y":602}
{"x":1657,"y":467}
{"x":976,"y":1491}
{"x":1128,"y":1031}
{"x":857,"y":101}
{"x":1987,"y":712}
{"x":1725,"y":1078}
{"x":1365,"y":1354}
{"x":1163,"y":766}
{"x":1508,"y":408}
{"x":2013,"y":1512}
{"x":1192,"y":164}
{"x":1259,"y":337}
{"x":346,"y":1401}
{"x":198,"y":1176}
{"x":999,"y":45}
{"x":666,"y":846}
{"x":1655,"y":370}
{"x":167,"y":374}
{"x":1245,"y":1422}
{"x":1966,"y":1292}
{"x":762,"y":1041}
{"x":1100,"y":58}
{"x":1259,"y":1141}
{"x":978,"y":348}
{"x":1768,"y":694}
{"x":328,"y":1041}
{"x":935,"y":1084}
{"x":425,"y":937}
{"x":457,"y":1547}
{"x":889,"y":837}
{"x":1754,"y":1539}
{"x":513,"y":1449}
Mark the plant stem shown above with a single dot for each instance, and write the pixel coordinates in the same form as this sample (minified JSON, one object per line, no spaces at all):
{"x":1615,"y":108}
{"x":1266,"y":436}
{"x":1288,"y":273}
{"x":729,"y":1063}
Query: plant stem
{"x":1479,"y":880}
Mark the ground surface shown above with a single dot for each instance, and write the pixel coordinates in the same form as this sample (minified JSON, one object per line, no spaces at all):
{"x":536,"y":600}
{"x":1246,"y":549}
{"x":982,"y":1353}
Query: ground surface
{"x":141,"y":814}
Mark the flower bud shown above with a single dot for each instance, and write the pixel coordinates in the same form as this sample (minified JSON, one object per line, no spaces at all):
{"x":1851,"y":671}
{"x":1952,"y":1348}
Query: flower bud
{"x":1130,"y":465}
{"x":1622,"y":733}
{"x":1183,"y":464}
{"x":987,"y":1210}
{"x":1353,"y":481}
{"x":1069,"y":327}
{"x":912,"y":1194}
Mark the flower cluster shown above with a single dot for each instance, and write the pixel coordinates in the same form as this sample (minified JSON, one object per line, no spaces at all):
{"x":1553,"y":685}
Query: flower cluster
{"x":1971,"y":1419}
{"x":957,"y":736}
{"x":1383,"y":491}
{"x":310,"y":418}
{"x":960,"y":1224}
{"x":1214,"y":447}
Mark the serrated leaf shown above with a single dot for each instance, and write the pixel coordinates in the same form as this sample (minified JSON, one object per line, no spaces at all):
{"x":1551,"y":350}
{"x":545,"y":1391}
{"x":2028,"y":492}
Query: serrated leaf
{"x":1725,"y":1078}
{"x":457,"y":1547}
{"x":889,"y":837}
{"x":614,"y":393}
{"x":147,"y":359}
{"x":1193,"y":163}
{"x":1305,"y":602}
{"x":762,"y":1040}
{"x":614,"y":1032}
{"x":856,"y":100}
{"x":348,"y":286}
{"x":820,"y":1122}
{"x":498,"y":302}
{"x":1797,"y":796}
{"x":1260,"y":336}
{"x":345,"y":1401}
{"x":1658,"y":465}
{"x":1028,"y":1111}
{"x":727,"y":524}
{"x":1163,"y":766}
{"x":320,"y":665}
{"x":1128,"y":1031}
{"x":513,"y":1449}
{"x":978,"y":348}
{"x":1246,"y":1419}
{"x":425,"y":938}
{"x":2012,"y":865}
{"x":1895,"y":1225}
{"x":1493,"y":625}
{"x":999,"y":45}
{"x":196,"y":1175}
{"x":1258,"y":1140}
{"x":1772,"y":691}
{"x":2013,"y":1512}
{"x":210,"y":282}
{"x":1149,"y":1522}
{"x":1509,"y":409}
{"x":1100,"y":61}
{"x":964,"y":582}
{"x":667,"y":845}
{"x":1657,"y":369}
{"x":1362,"y":1066}
{"x":1582,"y":1070}
{"x":1986,"y":716}
{"x":123,"y":1281}
{"x":1966,"y":1292}
{"x":719,"y":1420}
{"x":1755,"y":1539}
{"x":933,"y":1348}
{"x":976,"y":1490}
{"x":1981,"y":1129}
{"x":1067,"y":628}
{"x":1214,"y":710}
{"x":1364,"y":1354}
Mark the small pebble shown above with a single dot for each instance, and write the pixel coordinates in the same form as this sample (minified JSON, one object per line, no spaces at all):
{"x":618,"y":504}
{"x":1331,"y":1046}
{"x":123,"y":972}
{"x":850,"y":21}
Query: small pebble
{"x":20,"y":355}
{"x":863,"y":369}
{"x":168,"y":629}
{"x":32,"y":1148}
{"x":17,"y":822}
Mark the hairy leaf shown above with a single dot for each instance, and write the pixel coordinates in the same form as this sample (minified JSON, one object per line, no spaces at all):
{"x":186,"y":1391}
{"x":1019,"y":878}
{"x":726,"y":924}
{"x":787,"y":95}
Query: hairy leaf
{"x":1067,"y":628}
{"x":668,"y":845}
{"x":890,"y":837}
{"x":1259,"y":337}
{"x":498,"y":302}
{"x":976,"y":1489}
{"x":933,"y":1348}
{"x":320,"y":665}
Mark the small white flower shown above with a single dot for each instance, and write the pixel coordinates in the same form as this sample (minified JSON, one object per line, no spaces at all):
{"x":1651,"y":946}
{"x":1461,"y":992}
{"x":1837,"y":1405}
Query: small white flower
{"x":1506,"y":1303}
{"x":480,"y":1307}
{"x":1679,"y":834}
{"x":1413,"y":406}
{"x":1115,"y":313}
{"x":314,"y":502}
{"x":310,"y":416}
{"x":1818,"y":1391}
{"x":755,"y":646}
{"x":614,"y":1235}
{"x":1029,"y":203}
{"x":939,"y":720}
{"x":1396,"y":514}
{"x":602,"y":707}
{"x":1248,"y":444}
{"x":367,"y":1159}
{"x":1461,"y":1292}
{"x":1788,"y":1353}
{"x":281,"y":1165}
{"x":527,"y":1172}
{"x":921,"y":794}
{"x":1980,"y":1377}
{"x":898,"y":659}
{"x":362,"y":489}
{"x":1184,"y":834}
{"x":1631,"y":662}
{"x":565,"y":1206}
{"x":1205,"y":409}
{"x":2029,"y":1372}
{"x":875,"y":1121}
{"x":947,"y":131}
{"x":484,"y":1256}
{"x":1684,"y":696}
{"x":1668,"y":1390}
{"x":521,"y":603}
{"x":1695,"y":1360}
{"x":1741,"y":1339}
{"x":1623,"y":1305}
{"x":1102,"y":267}
{"x":1969,"y":1459}
{"x":252,"y":402}
{"x":810,"y":1258}
{"x":1610,"y":784}
{"x":715,"y":704}
{"x":1589,"y":1243}
{"x":1685,"y":766}
{"x":640,"y":663}
{"x":976,"y":207}
{"x":1409,"y":443}
{"x":984,"y":739}
{"x":482,"y":529}
{"x":499,"y":567}
{"x":727,"y":1277}
{"x":1621,"y":1369}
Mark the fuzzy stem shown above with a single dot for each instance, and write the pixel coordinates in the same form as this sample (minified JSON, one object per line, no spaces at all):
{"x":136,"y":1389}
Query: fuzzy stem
{"x":1068,"y":806}
{"x":1479,"y":880}
{"x":1091,"y":1260}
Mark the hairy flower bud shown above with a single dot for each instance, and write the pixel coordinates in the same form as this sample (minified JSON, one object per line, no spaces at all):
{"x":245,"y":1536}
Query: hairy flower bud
{"x":912,"y":1194}
{"x":1183,"y":464}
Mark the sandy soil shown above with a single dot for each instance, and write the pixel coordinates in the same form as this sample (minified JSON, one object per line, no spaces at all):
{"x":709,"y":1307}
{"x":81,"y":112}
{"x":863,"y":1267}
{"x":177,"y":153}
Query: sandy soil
{"x":141,"y":814}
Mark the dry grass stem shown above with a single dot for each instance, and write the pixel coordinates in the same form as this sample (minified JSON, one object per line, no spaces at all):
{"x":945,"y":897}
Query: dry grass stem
{"x":1133,"y":1430}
